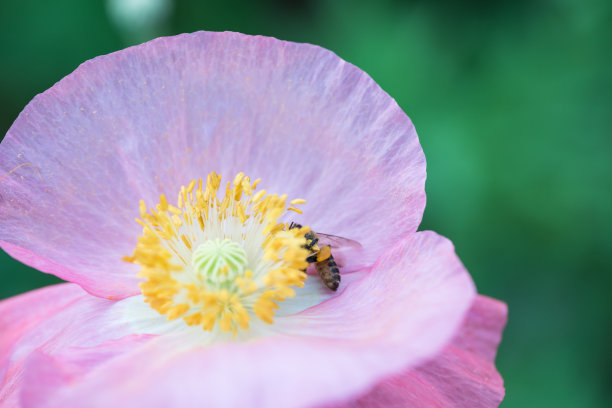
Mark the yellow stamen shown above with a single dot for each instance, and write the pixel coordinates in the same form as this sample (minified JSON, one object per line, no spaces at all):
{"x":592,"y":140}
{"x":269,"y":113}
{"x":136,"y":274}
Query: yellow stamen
{"x":201,"y":271}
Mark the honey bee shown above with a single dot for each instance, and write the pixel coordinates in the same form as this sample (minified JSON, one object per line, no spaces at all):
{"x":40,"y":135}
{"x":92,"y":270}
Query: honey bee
{"x":320,"y":246}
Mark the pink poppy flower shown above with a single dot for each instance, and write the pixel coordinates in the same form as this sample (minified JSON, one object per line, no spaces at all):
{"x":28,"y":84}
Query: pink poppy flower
{"x":212,"y":307}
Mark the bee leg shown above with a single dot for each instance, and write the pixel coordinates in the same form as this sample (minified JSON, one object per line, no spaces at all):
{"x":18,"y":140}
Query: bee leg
{"x":324,"y":253}
{"x":321,"y":255}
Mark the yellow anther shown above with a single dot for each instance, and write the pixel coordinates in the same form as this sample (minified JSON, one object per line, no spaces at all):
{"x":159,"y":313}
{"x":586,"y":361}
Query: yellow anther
{"x":226,"y":322}
{"x":297,"y":201}
{"x":186,"y":241}
{"x":177,"y":311}
{"x":172,"y":209}
{"x":190,"y":186}
{"x":258,"y":195}
{"x":209,"y":320}
{"x":194,"y":319}
{"x":177,"y":221}
{"x":238,"y":178}
{"x":163,"y":204}
{"x":264,"y":307}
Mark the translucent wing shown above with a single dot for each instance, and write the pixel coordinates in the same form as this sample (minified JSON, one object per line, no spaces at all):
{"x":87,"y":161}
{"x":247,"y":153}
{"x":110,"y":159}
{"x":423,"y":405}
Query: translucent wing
{"x":342,"y":248}
{"x":336,"y":242}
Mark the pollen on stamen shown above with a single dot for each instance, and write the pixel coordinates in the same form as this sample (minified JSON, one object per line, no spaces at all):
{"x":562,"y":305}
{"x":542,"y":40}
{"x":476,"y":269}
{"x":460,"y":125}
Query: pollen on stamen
{"x":220,"y":262}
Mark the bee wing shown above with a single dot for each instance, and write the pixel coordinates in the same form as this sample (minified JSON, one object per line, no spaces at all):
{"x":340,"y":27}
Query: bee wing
{"x":337,"y":242}
{"x":342,"y":248}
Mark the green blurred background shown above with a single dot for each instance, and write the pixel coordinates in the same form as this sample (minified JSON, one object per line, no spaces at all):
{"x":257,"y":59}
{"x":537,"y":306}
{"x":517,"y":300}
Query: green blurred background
{"x":512,"y":101}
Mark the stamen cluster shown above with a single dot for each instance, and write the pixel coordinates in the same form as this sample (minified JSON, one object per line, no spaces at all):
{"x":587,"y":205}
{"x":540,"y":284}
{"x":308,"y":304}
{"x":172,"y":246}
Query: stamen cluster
{"x":220,"y":262}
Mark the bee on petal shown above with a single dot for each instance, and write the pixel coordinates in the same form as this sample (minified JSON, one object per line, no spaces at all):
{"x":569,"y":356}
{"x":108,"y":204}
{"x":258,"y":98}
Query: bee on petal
{"x":320,"y":246}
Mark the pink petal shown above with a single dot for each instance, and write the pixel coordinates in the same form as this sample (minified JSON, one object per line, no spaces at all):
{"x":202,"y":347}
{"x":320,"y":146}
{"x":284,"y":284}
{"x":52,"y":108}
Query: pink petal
{"x":51,"y":320}
{"x":462,"y":376}
{"x":73,"y":364}
{"x":145,"y":120}
{"x":404,"y":312}
{"x":18,"y":316}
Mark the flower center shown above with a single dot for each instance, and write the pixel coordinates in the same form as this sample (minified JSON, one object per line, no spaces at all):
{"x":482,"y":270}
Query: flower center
{"x":220,"y":263}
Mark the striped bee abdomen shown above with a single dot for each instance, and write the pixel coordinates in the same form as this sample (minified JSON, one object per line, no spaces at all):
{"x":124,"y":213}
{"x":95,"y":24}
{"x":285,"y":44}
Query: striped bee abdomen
{"x":329,"y":272}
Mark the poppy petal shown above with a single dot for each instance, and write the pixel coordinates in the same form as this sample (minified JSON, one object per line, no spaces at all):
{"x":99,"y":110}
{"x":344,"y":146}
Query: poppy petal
{"x":146,"y":120}
{"x":18,"y":316}
{"x":64,"y":317}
